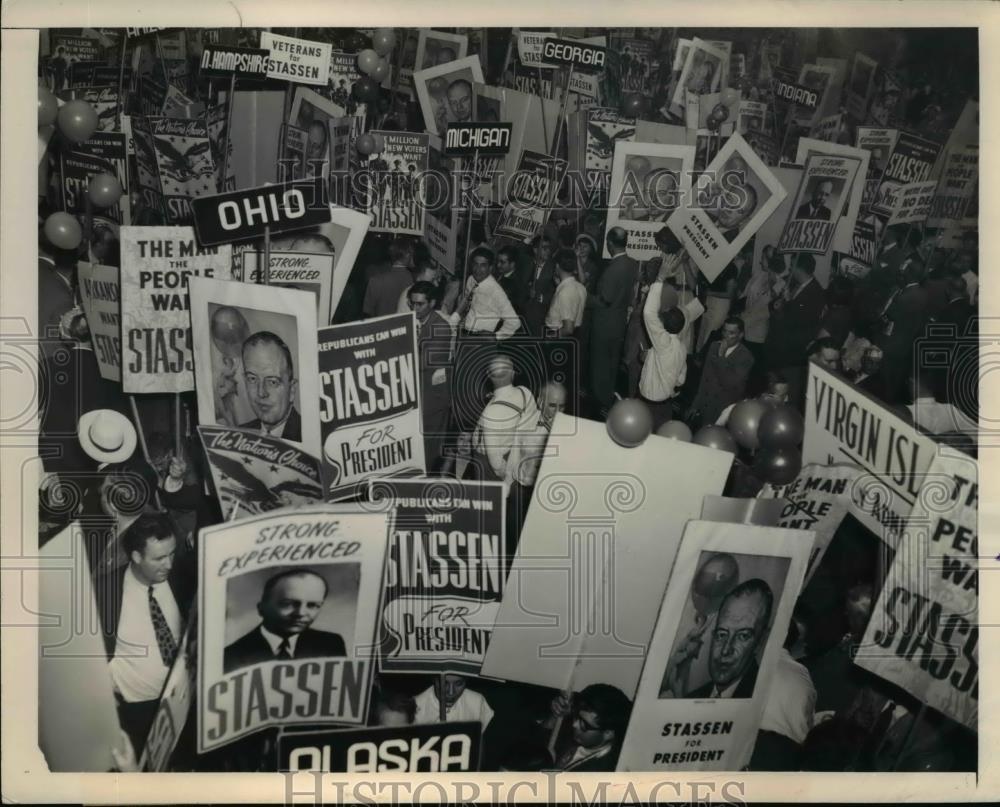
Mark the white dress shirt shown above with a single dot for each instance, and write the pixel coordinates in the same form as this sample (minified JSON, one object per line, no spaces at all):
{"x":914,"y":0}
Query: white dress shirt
{"x":665,"y":365}
{"x":470,"y":706}
{"x":508,"y":420}
{"x":568,"y":302}
{"x":490,"y":307}
{"x":137,"y":668}
{"x":274,"y":641}
{"x":791,"y":700}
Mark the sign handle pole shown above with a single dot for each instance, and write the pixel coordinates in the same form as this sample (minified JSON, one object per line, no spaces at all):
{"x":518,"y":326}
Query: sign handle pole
{"x":917,"y":718}
{"x":557,"y":727}
{"x":541,"y":107}
{"x":142,"y":438}
{"x":121,"y":83}
{"x":163,"y":62}
{"x":468,"y":221}
{"x":560,"y":124}
{"x":178,"y":435}
{"x":88,"y":220}
{"x":510,"y":51}
{"x":442,"y":711}
{"x":266,"y":274}
{"x":229,"y":126}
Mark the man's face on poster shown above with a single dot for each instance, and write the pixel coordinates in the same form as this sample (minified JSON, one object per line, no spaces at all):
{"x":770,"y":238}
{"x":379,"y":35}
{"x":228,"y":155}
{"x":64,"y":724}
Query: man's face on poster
{"x":269,"y":382}
{"x":292,"y":604}
{"x":738,"y":632}
{"x":316,"y":147}
{"x":460,"y":100}
{"x":445,"y":55}
{"x":821,"y":193}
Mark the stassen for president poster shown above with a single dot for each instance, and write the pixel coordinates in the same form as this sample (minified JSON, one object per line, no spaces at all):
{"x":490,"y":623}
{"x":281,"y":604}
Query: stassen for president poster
{"x":709,"y":665}
{"x":530,"y":196}
{"x":824,"y":193}
{"x":444,"y":573}
{"x":912,"y":160}
{"x":258,"y":664}
{"x":394,"y":182}
{"x":854,"y":193}
{"x":157,"y":263}
{"x":923,"y":635}
{"x":369,"y":411}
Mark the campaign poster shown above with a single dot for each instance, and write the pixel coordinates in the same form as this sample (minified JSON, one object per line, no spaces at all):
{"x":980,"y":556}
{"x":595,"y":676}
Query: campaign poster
{"x":445,"y":92}
{"x":444,"y":573}
{"x":215,"y":118}
{"x":255,"y":359}
{"x":254,"y":473}
{"x":956,"y":187}
{"x":308,"y":271}
{"x":530,"y":196}
{"x":702,"y":693}
{"x":913,"y":203}
{"x":819,"y":79}
{"x":844,"y":424}
{"x":298,"y":61}
{"x":649,"y":183}
{"x":292,"y":164}
{"x":175,"y":703}
{"x":858,"y":261}
{"x":344,"y":72}
{"x":594,"y":556}
{"x":702,"y":72}
{"x":437,"y":47}
{"x":732,"y":198}
{"x":824,"y":193}
{"x":100,"y":297}
{"x":184,"y":164}
{"x":147,"y":170}
{"x":636,"y":59}
{"x":605,"y":129}
{"x":431,"y":748}
{"x":924,"y":631}
{"x":752,"y":116}
{"x":65,"y":52}
{"x":879,"y":144}
{"x":442,"y":222}
{"x":104,"y":100}
{"x":179,"y":105}
{"x":157,"y":263}
{"x":394,"y":184}
{"x":817,"y":500}
{"x":860,"y":83}
{"x":829,"y":129}
{"x":312,"y":112}
{"x":111,"y":149}
{"x":260,"y":664}
{"x":78,"y":168}
{"x":368,"y":397}
{"x":911,"y":160}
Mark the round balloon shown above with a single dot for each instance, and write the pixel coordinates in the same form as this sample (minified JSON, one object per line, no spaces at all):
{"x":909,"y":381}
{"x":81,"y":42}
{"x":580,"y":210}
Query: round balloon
{"x":675,"y":430}
{"x":356,"y":41}
{"x":379,"y":144}
{"x":229,"y":331}
{"x":744,"y":421}
{"x":630,"y":422}
{"x":633,"y":104}
{"x":365,"y":144}
{"x":729,"y":96}
{"x":384,"y":41}
{"x":713,"y":581}
{"x":381,"y":71}
{"x":48,"y":107}
{"x":63,"y":231}
{"x":715,"y":437}
{"x":77,"y":121}
{"x":437,"y":87}
{"x":720,"y":111}
{"x":781,"y":427}
{"x":104,"y":190}
{"x":367,"y":61}
{"x":779,"y":466}
{"x":366,"y":89}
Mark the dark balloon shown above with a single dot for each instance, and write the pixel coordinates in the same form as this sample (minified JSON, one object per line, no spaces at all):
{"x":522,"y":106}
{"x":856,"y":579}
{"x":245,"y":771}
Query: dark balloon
{"x":715,"y":437}
{"x":48,"y":107}
{"x":634,"y":105}
{"x":77,"y":121}
{"x":675,"y":430}
{"x":63,"y":231}
{"x":630,"y":422}
{"x":714,"y":580}
{"x":366,"y":89}
{"x":744,"y":421}
{"x":781,"y":427}
{"x":778,"y":466}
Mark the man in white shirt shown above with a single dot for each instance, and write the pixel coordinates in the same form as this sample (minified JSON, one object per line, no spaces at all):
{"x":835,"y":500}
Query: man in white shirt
{"x":485,"y":309}
{"x":510,"y":414}
{"x":460,"y":702}
{"x":936,"y":417}
{"x":142,"y":608}
{"x":566,"y":309}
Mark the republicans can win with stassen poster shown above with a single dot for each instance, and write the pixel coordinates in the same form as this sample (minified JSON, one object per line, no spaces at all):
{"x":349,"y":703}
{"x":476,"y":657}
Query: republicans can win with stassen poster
{"x":369,"y":406}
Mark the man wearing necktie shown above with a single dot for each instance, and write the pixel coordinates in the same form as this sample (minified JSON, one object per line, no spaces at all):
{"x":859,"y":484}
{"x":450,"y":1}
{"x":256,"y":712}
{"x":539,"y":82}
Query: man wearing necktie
{"x":271,"y":386}
{"x":289,"y":604}
{"x":815,"y":208}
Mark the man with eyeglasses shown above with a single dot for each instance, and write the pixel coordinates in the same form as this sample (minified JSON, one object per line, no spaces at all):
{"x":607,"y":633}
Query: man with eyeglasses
{"x":593,"y":728}
{"x":271,"y":386}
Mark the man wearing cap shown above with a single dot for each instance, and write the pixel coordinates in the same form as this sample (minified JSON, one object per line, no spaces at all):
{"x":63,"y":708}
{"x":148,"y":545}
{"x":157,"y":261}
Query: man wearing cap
{"x":271,"y":384}
{"x":142,"y":607}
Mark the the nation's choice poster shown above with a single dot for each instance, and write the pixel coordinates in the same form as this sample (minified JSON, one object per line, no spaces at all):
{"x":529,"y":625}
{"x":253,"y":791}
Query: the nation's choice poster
{"x":184,"y":163}
{"x":258,"y":666}
{"x":704,"y":684}
{"x":254,"y":473}
{"x":444,"y":573}
{"x":823,"y":194}
{"x":429,"y":748}
{"x":530,"y":196}
{"x":100,"y":296}
{"x":843,"y":424}
{"x":157,"y":264}
{"x":649,"y":181}
{"x":394,"y":196}
{"x":605,"y":128}
{"x":817,"y":499}
{"x":255,"y":359}
{"x":731,"y":199}
{"x":369,"y":411}
{"x":911,"y":160}
{"x":924,"y":630}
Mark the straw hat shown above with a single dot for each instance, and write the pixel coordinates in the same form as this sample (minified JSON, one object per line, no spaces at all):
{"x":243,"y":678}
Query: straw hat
{"x":106,"y":435}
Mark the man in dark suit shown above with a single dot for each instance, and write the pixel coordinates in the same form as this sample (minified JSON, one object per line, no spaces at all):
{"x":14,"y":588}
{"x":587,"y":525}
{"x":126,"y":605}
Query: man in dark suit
{"x":816,"y":208}
{"x":142,"y":607}
{"x":541,"y":287}
{"x":435,"y":352}
{"x":271,"y":386}
{"x":513,"y":279}
{"x":741,"y":629}
{"x":957,"y":310}
{"x":610,"y":314}
{"x":724,"y":377}
{"x":795,"y":318}
{"x":905,"y":315}
{"x":290,"y":602}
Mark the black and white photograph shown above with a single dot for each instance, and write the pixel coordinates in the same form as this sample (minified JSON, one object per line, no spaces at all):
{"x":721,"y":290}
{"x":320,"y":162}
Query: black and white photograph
{"x":437,"y":47}
{"x":445,"y":92}
{"x":314,"y":113}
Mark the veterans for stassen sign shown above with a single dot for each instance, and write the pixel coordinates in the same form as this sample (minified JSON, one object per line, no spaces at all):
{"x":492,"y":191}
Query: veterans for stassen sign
{"x":320,"y":672}
{"x":369,"y":407}
{"x":843,"y":424}
{"x":704,"y":684}
{"x":227,"y":61}
{"x":157,"y":354}
{"x":246,"y":214}
{"x":924,"y":632}
{"x":433,"y":748}
{"x":444,"y":574}
{"x":297,"y":60}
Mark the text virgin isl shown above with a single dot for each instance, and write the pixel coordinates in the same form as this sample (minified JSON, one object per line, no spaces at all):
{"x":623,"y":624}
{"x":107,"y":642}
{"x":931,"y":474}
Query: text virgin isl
{"x":244,"y":215}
